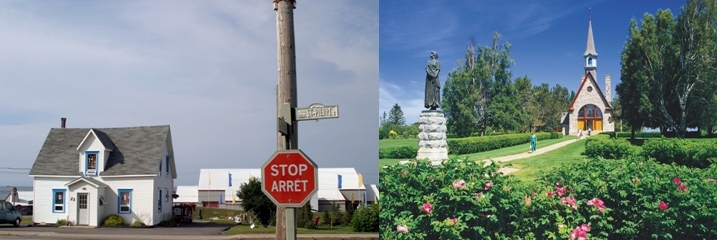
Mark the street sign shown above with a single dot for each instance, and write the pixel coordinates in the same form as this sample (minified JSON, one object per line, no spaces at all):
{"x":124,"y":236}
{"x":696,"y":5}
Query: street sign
{"x":317,"y":111}
{"x":289,"y":178}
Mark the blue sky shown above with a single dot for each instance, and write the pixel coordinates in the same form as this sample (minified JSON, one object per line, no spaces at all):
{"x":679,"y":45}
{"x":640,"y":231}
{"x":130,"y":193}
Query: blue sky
{"x":547,"y":40}
{"x":206,"y":68}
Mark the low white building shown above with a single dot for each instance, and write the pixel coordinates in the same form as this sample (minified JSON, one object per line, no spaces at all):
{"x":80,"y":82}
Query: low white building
{"x":186,"y":195}
{"x":85,"y":174}
{"x":336,"y":186}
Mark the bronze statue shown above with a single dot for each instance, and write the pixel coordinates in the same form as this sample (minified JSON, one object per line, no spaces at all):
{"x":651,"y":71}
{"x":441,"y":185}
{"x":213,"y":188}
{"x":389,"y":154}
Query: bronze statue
{"x":433,"y":85}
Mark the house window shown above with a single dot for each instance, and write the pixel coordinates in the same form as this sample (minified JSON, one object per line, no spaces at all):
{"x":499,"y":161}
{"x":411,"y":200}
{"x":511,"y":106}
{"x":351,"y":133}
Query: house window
{"x":91,"y":163}
{"x":160,"y":169}
{"x":159,"y":203}
{"x":124,"y":199}
{"x":58,"y":200}
{"x":166,"y":194}
{"x":167,"y":165}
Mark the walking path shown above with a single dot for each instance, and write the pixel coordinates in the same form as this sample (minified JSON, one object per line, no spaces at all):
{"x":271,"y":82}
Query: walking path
{"x":538,"y":151}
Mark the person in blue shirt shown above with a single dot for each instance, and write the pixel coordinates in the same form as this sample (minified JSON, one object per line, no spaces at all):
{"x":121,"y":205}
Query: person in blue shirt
{"x":533,"y":142}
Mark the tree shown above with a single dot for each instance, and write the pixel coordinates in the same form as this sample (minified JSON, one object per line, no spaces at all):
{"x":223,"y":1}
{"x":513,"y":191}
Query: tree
{"x":572,"y":97}
{"x":305,"y":217}
{"x":395,"y":116}
{"x":472,"y":88}
{"x":254,"y":200}
{"x":676,"y":60}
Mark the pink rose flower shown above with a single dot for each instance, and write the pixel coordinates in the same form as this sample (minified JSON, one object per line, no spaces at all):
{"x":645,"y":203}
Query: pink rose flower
{"x":404,"y":172}
{"x":597,"y":203}
{"x":459,"y":184}
{"x":402,"y":229}
{"x":488,"y":185}
{"x":570,"y":201}
{"x":551,"y":194}
{"x":677,"y":181}
{"x":682,"y":188}
{"x":427,"y":208}
{"x":560,"y":191}
{"x":580,"y":232}
{"x":453,"y":220}
{"x":635,"y":180}
{"x":528,"y":200}
{"x":662,"y":206}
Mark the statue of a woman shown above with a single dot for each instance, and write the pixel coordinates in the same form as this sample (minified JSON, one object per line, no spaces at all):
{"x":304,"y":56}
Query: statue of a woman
{"x":433,"y":85}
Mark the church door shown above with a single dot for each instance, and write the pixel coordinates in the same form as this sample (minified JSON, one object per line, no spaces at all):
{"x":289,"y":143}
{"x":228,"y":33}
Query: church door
{"x":590,"y":116}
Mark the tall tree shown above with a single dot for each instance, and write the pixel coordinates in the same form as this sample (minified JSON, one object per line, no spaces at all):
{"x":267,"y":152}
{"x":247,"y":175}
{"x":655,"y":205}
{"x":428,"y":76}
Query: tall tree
{"x":677,"y":59}
{"x":395,"y":116}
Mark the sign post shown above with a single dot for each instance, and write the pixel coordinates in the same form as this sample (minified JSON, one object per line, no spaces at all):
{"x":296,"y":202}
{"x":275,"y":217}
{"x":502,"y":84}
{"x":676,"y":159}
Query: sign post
{"x":289,"y":178}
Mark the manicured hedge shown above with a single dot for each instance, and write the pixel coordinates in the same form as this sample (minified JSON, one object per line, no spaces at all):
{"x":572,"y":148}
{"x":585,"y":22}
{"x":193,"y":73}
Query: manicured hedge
{"x":403,"y":152}
{"x":487,"y":143}
{"x":637,"y":134}
{"x":609,"y":148}
{"x":596,"y":199}
{"x":469,"y":145}
{"x":700,"y":154}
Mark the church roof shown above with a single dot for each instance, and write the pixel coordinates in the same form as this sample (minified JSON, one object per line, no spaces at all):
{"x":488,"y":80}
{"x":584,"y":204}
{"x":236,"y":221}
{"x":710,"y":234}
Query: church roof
{"x":589,"y":77}
{"x":590,"y":48}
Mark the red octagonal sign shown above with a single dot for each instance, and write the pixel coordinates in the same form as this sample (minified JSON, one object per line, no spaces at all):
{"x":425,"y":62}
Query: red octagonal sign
{"x":289,"y":178}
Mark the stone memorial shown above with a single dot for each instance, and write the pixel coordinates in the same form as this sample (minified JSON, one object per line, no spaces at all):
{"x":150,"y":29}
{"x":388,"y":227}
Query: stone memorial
{"x":432,"y":123}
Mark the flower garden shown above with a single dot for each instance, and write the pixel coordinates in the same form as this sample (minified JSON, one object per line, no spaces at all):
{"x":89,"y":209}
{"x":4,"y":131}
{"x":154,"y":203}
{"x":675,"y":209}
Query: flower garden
{"x":639,"y":195}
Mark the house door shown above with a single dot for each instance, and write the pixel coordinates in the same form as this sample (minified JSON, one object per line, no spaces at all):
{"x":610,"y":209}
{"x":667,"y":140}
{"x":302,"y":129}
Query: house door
{"x":83,"y":217}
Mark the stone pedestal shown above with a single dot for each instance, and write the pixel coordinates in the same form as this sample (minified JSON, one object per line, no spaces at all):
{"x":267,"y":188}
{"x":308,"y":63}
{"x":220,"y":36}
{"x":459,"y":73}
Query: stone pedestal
{"x":432,"y":138}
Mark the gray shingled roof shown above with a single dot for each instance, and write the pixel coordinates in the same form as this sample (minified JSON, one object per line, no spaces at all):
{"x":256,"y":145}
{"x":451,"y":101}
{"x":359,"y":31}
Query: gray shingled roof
{"x":135,"y":150}
{"x":590,"y":48}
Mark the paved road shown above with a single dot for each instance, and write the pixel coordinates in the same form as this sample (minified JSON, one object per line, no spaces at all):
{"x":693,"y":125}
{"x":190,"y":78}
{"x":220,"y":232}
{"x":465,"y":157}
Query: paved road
{"x":192,"y":231}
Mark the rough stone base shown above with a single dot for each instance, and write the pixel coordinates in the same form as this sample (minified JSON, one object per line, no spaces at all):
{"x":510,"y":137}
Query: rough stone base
{"x":432,"y":138}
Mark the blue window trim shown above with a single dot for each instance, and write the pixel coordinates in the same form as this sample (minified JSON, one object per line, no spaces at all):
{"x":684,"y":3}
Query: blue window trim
{"x":167,"y":165}
{"x":160,"y":169}
{"x":119,"y":200}
{"x":64,"y":200}
{"x":87,"y":161}
{"x":160,"y":201}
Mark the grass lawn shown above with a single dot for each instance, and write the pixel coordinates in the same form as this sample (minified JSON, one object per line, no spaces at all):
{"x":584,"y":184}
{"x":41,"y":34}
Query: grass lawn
{"x":26,"y":219}
{"x":521,"y":148}
{"x":531,"y":167}
{"x":389,"y":143}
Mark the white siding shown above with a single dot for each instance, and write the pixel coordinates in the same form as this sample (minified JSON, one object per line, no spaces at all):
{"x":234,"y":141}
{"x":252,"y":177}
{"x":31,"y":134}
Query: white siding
{"x":165,"y":182}
{"x":43,"y":205}
{"x":142,"y":200}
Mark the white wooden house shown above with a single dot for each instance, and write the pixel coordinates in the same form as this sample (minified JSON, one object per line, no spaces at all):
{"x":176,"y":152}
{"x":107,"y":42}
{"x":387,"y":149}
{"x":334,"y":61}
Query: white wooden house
{"x":85,"y":174}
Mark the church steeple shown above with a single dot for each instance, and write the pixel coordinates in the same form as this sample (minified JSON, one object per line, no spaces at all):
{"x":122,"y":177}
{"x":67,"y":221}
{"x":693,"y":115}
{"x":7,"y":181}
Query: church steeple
{"x":590,"y":54}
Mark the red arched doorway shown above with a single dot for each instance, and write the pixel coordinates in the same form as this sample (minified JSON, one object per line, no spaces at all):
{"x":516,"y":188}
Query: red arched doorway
{"x":590,"y":116}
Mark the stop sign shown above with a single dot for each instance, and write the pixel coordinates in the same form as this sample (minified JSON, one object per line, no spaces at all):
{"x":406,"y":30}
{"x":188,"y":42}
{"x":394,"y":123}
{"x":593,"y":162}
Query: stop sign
{"x":289,"y":178}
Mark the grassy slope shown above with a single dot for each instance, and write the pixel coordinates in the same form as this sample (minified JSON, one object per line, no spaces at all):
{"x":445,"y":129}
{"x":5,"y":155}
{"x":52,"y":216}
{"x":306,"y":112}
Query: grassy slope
{"x":389,"y":143}
{"x":531,"y":167}
{"x":521,"y":148}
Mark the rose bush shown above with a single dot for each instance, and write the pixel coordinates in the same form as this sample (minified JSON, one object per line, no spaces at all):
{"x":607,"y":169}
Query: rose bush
{"x":597,"y":199}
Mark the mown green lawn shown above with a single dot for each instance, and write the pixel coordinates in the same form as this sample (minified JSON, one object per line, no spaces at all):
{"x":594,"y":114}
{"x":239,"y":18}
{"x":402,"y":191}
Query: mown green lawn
{"x":531,"y":167}
{"x":389,"y":143}
{"x":521,"y":148}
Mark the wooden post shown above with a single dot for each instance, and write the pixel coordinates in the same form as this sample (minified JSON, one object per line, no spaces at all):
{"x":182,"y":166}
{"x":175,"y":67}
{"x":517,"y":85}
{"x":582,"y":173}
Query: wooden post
{"x":286,"y":93}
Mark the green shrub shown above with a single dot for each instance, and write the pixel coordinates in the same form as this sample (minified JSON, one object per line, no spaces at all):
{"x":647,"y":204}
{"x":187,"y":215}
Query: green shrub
{"x":609,"y":148}
{"x":629,"y":134}
{"x":632,"y":190}
{"x":113,"y":220}
{"x":304,"y":217}
{"x":402,"y":152}
{"x":487,"y":143}
{"x":168,"y":223}
{"x":700,"y":154}
{"x":365,"y":219}
{"x":348,"y":214}
{"x":326,"y":219}
{"x":61,"y":222}
{"x":138,"y":223}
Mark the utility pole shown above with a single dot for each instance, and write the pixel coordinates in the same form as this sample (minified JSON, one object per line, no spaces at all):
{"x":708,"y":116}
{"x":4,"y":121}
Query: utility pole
{"x":287,"y":137}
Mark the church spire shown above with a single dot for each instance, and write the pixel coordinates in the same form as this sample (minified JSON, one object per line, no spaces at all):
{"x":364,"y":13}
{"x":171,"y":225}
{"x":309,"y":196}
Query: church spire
{"x":590,"y":53}
{"x":590,"y":49}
